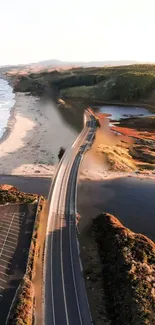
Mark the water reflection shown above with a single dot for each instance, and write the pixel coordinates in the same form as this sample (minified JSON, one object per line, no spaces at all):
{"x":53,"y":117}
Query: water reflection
{"x":66,"y":123}
{"x":118,"y":112}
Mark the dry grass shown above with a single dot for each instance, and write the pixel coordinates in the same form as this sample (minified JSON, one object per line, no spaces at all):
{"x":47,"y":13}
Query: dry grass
{"x":118,"y":156}
{"x":143,"y":149}
{"x":130,"y":149}
{"x":134,"y":133}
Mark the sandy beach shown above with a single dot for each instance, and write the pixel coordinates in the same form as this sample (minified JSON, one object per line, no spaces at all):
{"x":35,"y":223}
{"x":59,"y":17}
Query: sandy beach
{"x":32,"y":145}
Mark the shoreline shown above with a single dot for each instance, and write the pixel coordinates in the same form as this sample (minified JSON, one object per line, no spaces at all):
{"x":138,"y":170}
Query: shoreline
{"x":12,"y":118}
{"x":150,"y":107}
{"x":101,"y":176}
{"x":31,"y":142}
{"x":10,"y":123}
{"x":24,"y":122}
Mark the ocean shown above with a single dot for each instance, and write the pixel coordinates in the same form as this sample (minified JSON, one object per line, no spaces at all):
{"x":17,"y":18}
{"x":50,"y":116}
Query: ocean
{"x":6,"y":103}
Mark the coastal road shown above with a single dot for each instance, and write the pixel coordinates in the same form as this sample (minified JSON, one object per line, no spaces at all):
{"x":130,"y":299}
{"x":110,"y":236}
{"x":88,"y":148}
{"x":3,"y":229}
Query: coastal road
{"x":65,"y":300}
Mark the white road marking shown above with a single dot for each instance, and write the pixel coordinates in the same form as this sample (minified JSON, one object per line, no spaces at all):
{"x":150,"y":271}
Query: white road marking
{"x":16,"y":222}
{"x":53,"y":221}
{"x":67,"y":169}
{"x":13,"y":247}
{"x":17,"y":228}
{"x":8,"y":250}
{"x":12,"y":238}
{"x":6,"y":232}
{"x":7,"y":223}
{"x":77,"y":301}
{"x":6,"y":235}
{"x":54,"y":205}
{"x":1,"y":259}
{"x":4,"y":267}
{"x":53,"y":214}
{"x":15,"y":214}
{"x":12,"y":235}
{"x":9,"y":241}
{"x":62,"y":272}
{"x":6,"y":254}
{"x":12,"y":230}
{"x":4,"y":273}
{"x":3,"y":231}
{"x":2,"y":280}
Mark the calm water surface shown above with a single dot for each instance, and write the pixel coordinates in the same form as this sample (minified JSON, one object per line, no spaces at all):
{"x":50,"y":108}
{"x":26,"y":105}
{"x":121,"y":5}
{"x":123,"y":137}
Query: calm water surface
{"x":132,"y":201}
{"x":118,"y":112}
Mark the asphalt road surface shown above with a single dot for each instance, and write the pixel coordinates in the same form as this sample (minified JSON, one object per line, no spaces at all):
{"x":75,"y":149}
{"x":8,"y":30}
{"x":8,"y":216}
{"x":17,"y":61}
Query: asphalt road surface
{"x":16,"y":225}
{"x":37,"y":185}
{"x":65,"y":300}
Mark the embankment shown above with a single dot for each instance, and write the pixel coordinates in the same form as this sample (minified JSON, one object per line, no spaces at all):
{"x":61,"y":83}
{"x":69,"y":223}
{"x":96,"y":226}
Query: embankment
{"x":128,"y":270}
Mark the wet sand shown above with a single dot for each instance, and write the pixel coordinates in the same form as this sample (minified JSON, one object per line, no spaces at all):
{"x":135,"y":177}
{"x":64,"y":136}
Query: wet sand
{"x":36,"y":135}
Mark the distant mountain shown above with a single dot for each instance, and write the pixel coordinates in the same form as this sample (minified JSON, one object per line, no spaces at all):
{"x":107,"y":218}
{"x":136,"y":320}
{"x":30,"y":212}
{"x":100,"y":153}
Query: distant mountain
{"x":46,"y":63}
{"x":108,"y":63}
{"x":59,"y":63}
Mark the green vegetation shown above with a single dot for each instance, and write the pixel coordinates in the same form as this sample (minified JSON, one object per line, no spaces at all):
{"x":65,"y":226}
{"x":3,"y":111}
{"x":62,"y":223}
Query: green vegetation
{"x":15,"y":196}
{"x":28,"y":84}
{"x":128,"y":264}
{"x":134,"y":83}
{"x":23,"y":305}
{"x":118,"y":156}
{"x":117,"y":85}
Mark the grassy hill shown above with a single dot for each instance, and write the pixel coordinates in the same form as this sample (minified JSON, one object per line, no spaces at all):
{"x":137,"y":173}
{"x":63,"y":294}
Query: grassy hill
{"x":126,"y":84}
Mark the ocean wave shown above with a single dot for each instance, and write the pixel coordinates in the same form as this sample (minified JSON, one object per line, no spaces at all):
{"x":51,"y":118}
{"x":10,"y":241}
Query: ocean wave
{"x":6,"y":103}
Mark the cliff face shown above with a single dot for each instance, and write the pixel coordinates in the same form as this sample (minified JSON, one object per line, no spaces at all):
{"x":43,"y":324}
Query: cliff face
{"x":128,"y":262}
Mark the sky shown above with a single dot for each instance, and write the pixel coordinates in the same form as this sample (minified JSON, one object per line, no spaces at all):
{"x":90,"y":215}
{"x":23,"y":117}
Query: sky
{"x":76,"y":30}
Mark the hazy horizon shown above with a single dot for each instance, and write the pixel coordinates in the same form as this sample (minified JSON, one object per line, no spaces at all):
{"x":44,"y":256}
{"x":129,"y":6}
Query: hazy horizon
{"x":57,"y":62}
{"x":77,"y":31}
